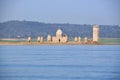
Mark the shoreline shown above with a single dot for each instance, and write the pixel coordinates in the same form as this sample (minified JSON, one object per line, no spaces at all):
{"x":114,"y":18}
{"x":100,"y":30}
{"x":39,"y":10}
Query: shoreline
{"x":49,"y":43}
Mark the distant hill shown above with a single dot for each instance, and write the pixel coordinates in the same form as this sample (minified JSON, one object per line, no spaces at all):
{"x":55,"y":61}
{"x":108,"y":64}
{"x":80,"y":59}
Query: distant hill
{"x":23,"y":29}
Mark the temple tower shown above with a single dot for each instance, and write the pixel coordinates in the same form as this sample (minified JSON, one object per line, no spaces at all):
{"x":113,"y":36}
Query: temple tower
{"x":59,"y":33}
{"x":95,"y":33}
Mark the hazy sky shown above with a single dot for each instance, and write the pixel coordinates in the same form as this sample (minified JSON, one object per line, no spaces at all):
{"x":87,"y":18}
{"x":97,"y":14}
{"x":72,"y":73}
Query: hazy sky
{"x":62,"y":11}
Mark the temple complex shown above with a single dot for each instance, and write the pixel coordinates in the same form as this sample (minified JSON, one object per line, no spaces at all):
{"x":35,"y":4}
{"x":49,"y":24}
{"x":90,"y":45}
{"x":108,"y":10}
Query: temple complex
{"x":63,"y":38}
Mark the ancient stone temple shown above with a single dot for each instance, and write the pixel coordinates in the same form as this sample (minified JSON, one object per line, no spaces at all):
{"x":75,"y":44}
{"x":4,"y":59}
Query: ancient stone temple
{"x":95,"y":33}
{"x":59,"y":38}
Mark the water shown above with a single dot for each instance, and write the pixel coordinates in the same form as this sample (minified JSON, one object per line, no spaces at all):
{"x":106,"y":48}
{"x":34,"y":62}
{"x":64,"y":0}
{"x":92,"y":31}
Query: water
{"x":98,"y":62}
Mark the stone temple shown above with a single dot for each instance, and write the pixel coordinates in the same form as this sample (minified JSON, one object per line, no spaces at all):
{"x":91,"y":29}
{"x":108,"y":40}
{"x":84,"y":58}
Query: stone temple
{"x":59,"y":38}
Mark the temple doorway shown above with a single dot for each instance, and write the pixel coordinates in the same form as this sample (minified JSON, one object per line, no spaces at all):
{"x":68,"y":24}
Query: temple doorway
{"x":59,"y":40}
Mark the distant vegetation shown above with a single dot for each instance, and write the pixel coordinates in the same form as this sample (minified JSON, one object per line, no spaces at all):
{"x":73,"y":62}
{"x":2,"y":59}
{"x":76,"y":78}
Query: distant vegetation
{"x":23,"y":29}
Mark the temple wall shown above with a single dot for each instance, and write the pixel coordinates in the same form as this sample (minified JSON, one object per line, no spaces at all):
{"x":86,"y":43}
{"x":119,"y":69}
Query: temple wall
{"x":59,"y":39}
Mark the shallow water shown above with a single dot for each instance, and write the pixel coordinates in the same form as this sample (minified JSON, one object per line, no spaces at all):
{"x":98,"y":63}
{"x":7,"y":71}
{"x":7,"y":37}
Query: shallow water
{"x":87,"y":62}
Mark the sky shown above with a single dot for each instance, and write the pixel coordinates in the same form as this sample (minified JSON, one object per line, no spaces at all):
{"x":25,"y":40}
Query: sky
{"x":105,"y":12}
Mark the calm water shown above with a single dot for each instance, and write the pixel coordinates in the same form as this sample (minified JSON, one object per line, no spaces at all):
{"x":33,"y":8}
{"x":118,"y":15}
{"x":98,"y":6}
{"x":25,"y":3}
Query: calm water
{"x":101,"y":62}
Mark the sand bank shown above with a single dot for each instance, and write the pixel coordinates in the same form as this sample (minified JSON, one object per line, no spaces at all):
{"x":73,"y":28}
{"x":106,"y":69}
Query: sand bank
{"x":50,"y":43}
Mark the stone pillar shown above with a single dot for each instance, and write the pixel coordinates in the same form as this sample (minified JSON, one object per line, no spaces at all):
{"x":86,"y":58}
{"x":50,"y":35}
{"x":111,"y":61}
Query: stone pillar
{"x":85,"y":40}
{"x":29,"y":39}
{"x":79,"y":39}
{"x":41,"y":39}
{"x":38,"y":39}
{"x":49,"y":38}
{"x":95,"y":33}
{"x":75,"y":39}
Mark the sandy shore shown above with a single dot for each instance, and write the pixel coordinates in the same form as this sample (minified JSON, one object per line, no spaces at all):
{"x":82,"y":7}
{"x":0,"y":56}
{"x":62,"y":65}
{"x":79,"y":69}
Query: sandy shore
{"x":48,"y":43}
{"x":36,"y":43}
